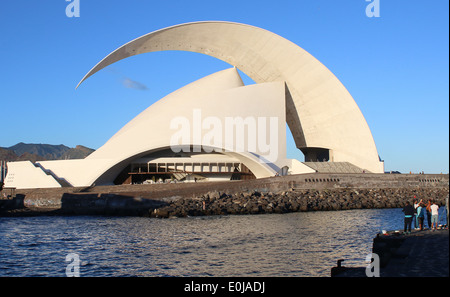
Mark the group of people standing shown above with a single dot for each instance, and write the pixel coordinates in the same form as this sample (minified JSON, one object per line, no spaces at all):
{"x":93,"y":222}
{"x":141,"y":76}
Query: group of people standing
{"x":416,"y":213}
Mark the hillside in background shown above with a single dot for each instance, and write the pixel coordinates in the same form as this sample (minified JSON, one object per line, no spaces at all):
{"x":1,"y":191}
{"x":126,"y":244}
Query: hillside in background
{"x":41,"y":152}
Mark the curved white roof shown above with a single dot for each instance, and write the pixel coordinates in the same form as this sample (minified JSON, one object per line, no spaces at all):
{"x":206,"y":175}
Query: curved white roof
{"x":320,"y":111}
{"x":218,"y":95}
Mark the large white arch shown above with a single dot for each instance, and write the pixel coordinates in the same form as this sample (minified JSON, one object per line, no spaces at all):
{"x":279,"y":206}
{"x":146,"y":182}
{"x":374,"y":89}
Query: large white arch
{"x":320,"y":112}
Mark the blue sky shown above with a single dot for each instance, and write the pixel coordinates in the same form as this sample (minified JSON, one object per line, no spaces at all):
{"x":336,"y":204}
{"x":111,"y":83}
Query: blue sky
{"x":395,"y":66}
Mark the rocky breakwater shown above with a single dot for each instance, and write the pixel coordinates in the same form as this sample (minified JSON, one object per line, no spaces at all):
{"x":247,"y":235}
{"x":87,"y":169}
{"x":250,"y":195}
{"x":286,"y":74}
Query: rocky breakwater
{"x":255,"y":202}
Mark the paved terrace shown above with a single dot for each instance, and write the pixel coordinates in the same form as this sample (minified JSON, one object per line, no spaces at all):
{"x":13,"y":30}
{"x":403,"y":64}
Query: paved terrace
{"x":316,"y":181}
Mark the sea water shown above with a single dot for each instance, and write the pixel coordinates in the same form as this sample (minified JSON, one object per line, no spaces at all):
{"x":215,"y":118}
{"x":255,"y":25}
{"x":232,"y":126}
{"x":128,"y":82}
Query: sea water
{"x":294,"y":244}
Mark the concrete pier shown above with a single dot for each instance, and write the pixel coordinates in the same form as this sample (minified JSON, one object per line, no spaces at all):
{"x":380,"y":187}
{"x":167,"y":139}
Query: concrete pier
{"x":419,"y":254}
{"x":424,"y":254}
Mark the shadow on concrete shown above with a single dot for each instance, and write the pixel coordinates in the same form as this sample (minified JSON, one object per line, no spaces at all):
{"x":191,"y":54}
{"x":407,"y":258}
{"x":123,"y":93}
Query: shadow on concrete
{"x":14,"y":203}
{"x":84,"y":204}
{"x":108,"y":204}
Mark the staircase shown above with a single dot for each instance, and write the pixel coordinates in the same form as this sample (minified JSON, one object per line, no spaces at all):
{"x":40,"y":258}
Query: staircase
{"x":334,"y":167}
{"x":63,"y":182}
{"x":179,"y":175}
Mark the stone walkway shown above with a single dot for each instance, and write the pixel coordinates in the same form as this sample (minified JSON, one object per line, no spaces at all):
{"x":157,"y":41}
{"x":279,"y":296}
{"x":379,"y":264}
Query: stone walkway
{"x":422,"y":254}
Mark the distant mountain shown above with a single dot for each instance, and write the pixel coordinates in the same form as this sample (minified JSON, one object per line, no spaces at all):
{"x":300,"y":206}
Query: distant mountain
{"x":48,"y":151}
{"x":41,"y":152}
{"x":7,"y":155}
{"x":79,"y":152}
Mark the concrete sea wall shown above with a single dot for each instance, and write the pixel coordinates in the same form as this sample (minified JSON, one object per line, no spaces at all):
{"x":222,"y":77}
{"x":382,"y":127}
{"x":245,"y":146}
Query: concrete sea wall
{"x":309,"y":192}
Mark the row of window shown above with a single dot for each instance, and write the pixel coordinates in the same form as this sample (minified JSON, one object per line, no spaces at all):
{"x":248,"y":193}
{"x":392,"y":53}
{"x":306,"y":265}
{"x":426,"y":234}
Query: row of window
{"x":433,"y":180}
{"x":315,"y":180}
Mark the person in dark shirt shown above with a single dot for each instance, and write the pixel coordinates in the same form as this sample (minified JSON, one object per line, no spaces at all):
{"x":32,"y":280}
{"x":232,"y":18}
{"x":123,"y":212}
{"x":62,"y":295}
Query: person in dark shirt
{"x":409,"y":214}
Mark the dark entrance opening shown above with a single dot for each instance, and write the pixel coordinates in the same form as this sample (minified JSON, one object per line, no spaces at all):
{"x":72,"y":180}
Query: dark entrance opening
{"x":316,"y":154}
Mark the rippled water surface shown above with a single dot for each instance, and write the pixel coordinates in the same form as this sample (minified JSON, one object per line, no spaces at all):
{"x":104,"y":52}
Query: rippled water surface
{"x":296,"y":244}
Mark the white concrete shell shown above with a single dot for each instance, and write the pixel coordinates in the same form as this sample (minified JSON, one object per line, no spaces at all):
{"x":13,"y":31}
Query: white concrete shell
{"x":217,"y":97}
{"x":320,"y":112}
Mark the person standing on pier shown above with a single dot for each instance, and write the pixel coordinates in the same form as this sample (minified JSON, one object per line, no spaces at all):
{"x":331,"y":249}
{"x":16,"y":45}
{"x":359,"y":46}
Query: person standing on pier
{"x":409,"y":215}
{"x":416,"y":221}
{"x":420,"y":215}
{"x":434,"y":215}
{"x":429,"y":213}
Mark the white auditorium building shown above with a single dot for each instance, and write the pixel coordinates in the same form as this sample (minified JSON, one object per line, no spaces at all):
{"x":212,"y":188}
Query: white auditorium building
{"x":217,"y":128}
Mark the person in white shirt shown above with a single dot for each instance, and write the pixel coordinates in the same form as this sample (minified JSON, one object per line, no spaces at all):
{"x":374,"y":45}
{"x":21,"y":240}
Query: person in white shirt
{"x":416,"y":220}
{"x":434,"y":215}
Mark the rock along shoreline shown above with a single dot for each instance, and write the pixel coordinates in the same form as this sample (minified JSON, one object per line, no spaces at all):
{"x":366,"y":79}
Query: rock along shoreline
{"x":217,"y":203}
